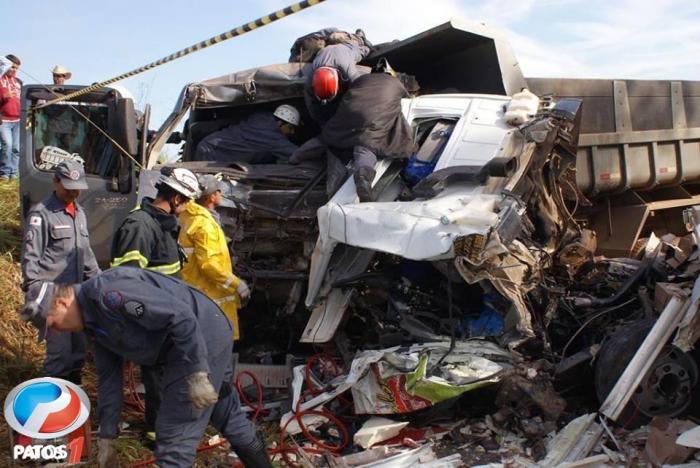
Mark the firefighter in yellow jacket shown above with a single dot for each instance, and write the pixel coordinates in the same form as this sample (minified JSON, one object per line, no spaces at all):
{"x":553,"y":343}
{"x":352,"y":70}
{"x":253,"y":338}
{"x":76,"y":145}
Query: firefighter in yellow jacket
{"x":208,"y":266}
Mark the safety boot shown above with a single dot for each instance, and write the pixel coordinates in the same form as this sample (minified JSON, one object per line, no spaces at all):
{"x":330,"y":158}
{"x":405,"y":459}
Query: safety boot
{"x":363,"y":183}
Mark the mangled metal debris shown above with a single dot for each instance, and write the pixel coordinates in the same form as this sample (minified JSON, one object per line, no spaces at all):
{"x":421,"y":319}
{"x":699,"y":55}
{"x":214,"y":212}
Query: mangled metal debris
{"x":476,"y":270}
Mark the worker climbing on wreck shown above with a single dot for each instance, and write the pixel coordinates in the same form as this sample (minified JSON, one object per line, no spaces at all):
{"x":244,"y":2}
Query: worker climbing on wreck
{"x":367,"y":125}
{"x":261,"y":138}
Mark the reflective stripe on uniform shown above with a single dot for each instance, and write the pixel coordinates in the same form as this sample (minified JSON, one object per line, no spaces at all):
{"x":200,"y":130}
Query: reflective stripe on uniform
{"x":130,"y":256}
{"x":166,"y":269}
{"x":229,"y":281}
{"x":221,"y":300}
{"x":188,"y":250}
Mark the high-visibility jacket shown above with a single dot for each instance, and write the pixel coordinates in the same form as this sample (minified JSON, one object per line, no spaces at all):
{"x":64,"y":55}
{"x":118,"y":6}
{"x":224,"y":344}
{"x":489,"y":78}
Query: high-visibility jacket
{"x":208,"y":267}
{"x":147,"y":239}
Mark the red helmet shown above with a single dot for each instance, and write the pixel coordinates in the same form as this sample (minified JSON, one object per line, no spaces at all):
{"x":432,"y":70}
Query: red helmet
{"x":325,"y":83}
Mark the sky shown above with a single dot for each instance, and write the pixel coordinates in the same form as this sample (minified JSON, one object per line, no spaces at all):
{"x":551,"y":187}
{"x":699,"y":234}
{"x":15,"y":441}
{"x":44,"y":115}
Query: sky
{"x":640,"y":39}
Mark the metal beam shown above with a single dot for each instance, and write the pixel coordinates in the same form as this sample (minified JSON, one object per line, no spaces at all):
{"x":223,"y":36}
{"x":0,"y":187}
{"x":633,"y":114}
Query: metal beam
{"x":677,"y":105}
{"x":623,"y":117}
{"x":647,"y":136}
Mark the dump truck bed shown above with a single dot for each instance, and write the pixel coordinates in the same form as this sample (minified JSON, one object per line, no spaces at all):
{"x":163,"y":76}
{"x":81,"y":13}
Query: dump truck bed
{"x":638,"y":155}
{"x":635,"y":134}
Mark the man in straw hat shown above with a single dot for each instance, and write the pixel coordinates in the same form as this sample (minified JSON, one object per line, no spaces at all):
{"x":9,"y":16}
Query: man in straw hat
{"x":60,"y":75}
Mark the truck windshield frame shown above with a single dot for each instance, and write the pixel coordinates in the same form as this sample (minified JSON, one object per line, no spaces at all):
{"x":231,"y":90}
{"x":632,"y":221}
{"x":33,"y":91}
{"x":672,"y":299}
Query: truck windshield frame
{"x":62,"y":131}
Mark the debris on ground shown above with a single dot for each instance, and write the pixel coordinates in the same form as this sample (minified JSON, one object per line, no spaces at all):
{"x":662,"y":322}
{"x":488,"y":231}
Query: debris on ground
{"x":661,"y":447}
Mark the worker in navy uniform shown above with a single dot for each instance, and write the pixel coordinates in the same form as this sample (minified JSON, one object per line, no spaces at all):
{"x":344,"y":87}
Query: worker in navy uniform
{"x":262,"y":138}
{"x":147,"y":239}
{"x":57,"y":248}
{"x":142,"y":316}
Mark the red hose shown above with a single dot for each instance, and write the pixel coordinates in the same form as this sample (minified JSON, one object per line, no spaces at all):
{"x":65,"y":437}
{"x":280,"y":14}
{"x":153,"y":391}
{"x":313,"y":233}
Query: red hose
{"x":283,"y":450}
{"x":325,"y":359}
{"x":258,"y":387}
{"x":133,"y":398}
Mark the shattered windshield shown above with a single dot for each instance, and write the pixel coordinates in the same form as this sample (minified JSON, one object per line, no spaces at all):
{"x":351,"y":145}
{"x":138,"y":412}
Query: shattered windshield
{"x":60,"y":132}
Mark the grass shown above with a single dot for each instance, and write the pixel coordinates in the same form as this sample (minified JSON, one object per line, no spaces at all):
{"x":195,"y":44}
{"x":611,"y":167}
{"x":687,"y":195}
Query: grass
{"x":20,"y":354}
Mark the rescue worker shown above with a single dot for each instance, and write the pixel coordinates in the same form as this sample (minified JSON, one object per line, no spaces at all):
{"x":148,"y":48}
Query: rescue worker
{"x":143,"y":316}
{"x":262,"y":138}
{"x":208,"y":267}
{"x":306,"y":47}
{"x":332,"y":72}
{"x":368,"y":124}
{"x":57,"y":248}
{"x":147,"y":239}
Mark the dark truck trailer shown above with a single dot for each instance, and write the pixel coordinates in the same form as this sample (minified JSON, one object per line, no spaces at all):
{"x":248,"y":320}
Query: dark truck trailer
{"x":638,"y":153}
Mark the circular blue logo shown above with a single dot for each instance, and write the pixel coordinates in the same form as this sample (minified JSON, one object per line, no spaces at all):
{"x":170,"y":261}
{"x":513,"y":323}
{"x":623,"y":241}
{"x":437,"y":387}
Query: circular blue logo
{"x":46,"y":408}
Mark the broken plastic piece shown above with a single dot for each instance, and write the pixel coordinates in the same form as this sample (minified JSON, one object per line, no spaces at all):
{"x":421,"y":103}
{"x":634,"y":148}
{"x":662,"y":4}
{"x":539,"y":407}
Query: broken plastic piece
{"x":690,"y":438}
{"x":376,"y":430}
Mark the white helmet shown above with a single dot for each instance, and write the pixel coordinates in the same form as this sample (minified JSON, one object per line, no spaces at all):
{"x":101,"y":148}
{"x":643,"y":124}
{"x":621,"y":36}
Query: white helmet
{"x":181,"y":180}
{"x":288,"y":114}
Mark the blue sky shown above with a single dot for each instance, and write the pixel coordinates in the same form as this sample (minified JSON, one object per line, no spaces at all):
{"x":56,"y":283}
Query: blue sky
{"x":642,"y":39}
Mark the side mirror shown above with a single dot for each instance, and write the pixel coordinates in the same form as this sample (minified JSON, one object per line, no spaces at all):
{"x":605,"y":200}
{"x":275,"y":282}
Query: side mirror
{"x":122,"y":125}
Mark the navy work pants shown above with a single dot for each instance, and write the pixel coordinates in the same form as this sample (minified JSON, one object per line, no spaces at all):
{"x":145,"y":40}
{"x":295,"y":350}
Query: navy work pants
{"x":180,"y":426}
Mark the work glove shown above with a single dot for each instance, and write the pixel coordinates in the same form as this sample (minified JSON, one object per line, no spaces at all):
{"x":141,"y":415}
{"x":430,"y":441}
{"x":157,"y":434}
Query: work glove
{"x":107,"y":453}
{"x":201,"y":391}
{"x":243,"y":290}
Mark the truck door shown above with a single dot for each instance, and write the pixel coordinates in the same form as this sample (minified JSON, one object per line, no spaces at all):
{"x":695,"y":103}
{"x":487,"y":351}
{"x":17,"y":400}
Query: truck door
{"x":82,"y":131}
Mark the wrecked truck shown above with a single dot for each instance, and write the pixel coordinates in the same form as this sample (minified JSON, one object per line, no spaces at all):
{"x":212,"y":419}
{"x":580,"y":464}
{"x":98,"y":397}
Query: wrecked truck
{"x":313,"y":246}
{"x":491,"y":242}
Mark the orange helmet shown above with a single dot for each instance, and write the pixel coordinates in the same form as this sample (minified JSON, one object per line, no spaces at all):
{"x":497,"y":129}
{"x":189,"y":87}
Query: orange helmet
{"x":325,"y":83}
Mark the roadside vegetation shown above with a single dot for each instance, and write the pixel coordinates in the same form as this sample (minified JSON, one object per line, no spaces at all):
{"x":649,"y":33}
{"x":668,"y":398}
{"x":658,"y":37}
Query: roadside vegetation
{"x":20,"y":354}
